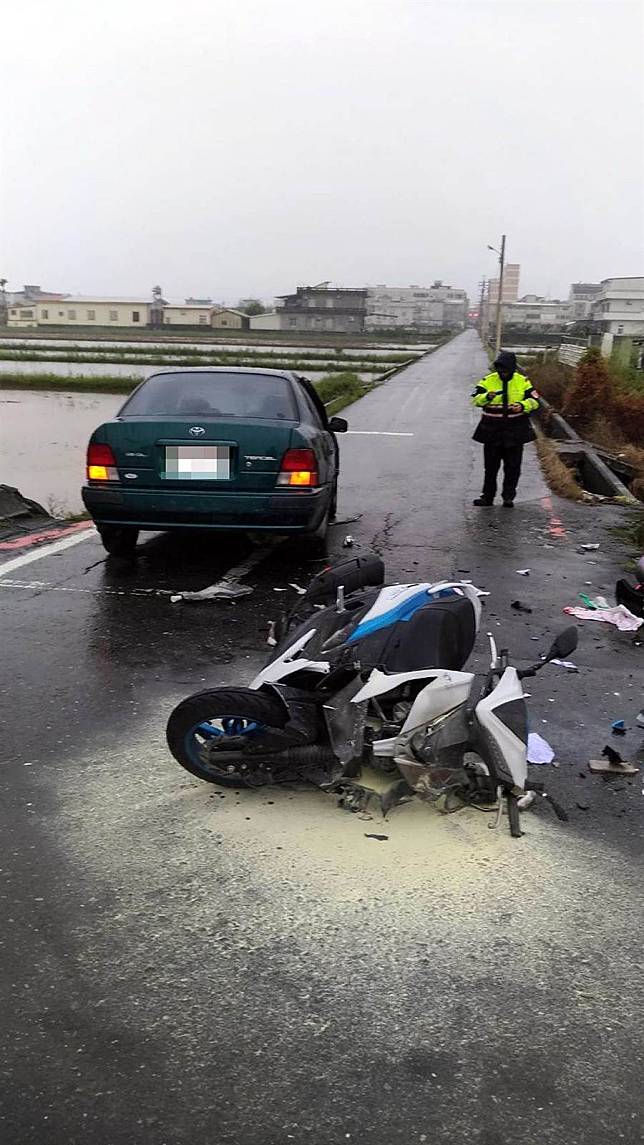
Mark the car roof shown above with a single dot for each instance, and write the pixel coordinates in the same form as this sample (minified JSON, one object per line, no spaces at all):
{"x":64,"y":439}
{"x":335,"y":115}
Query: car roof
{"x":221,"y":370}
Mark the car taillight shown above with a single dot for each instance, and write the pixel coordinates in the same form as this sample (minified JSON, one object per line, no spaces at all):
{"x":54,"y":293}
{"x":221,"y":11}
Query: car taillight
{"x":299,"y":467}
{"x":101,"y":463}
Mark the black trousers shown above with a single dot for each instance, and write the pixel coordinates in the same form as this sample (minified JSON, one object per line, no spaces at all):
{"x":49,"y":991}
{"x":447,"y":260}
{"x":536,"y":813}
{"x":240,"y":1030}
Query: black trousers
{"x":511,"y":455}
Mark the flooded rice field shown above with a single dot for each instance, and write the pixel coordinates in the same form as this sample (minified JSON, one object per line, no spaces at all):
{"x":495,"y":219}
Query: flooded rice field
{"x":43,"y":438}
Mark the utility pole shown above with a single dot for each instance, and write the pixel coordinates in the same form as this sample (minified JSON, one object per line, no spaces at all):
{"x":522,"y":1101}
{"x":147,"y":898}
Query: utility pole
{"x":499,"y":301}
{"x":482,"y":285}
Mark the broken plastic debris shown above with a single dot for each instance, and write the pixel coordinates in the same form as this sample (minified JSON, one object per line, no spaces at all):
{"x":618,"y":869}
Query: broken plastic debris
{"x":177,"y":596}
{"x":523,"y":572}
{"x":381,"y":838}
{"x":518,"y":606}
{"x":539,"y":750}
{"x":348,"y":542}
{"x":270,"y":639}
{"x":589,"y":548}
{"x":618,"y":728}
{"x":611,"y":755}
{"x":612,"y":764}
{"x":218,"y":592}
{"x":619,"y":615}
{"x":567,"y":664}
{"x":299,"y":591}
{"x":595,"y":602}
{"x":279,"y":590}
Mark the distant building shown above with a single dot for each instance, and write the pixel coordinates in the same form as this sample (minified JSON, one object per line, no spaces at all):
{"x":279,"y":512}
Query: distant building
{"x":199,"y":302}
{"x":81,"y":311}
{"x":533,"y":312}
{"x":270,"y":320}
{"x":581,"y":297}
{"x":227,"y":319}
{"x":189,"y":314}
{"x":436,"y":307}
{"x":324,"y":308}
{"x":619,"y":306}
{"x":511,"y":276}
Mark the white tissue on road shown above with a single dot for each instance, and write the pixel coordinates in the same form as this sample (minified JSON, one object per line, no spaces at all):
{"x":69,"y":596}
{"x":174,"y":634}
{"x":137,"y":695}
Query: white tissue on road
{"x":539,"y":750}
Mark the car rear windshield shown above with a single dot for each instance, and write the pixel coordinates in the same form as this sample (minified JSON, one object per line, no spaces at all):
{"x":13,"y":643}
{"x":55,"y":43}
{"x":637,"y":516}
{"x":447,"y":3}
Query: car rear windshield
{"x":193,"y":394}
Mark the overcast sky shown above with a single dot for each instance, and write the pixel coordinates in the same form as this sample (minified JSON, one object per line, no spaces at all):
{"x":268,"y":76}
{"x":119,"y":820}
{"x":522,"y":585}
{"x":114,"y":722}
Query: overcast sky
{"x":226,"y":149}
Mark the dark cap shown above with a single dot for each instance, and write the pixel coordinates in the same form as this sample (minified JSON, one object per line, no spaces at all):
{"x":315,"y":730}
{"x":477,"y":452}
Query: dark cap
{"x":506,"y":360}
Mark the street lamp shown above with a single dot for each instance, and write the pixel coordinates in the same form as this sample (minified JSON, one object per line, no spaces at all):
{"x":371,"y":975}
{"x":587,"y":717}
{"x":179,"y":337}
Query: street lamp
{"x":501,"y":254}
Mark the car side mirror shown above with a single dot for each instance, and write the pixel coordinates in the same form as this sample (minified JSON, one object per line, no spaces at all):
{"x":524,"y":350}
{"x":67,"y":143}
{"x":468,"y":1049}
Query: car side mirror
{"x":338,"y":425}
{"x":564,"y":644}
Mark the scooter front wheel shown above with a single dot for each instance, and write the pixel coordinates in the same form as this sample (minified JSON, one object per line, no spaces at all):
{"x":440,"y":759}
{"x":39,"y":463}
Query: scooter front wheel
{"x":238,"y":715}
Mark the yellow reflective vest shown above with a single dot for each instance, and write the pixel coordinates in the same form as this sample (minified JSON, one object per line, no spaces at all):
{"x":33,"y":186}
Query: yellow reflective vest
{"x":494,"y":396}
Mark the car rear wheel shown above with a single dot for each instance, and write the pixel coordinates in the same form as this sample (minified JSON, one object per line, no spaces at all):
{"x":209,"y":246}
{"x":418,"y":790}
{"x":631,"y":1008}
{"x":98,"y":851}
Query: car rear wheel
{"x":118,"y":540}
{"x":333,"y":508}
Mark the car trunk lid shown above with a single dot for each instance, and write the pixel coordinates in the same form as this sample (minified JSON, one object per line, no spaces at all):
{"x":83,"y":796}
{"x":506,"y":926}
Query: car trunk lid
{"x":198,"y":453}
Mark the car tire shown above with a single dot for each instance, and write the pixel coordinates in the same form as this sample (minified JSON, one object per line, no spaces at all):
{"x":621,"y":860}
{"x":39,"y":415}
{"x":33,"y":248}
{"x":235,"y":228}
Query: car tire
{"x":333,"y":508}
{"x":316,"y":543}
{"x":119,"y":540}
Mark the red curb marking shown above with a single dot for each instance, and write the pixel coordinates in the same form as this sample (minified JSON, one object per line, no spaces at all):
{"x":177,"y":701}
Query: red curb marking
{"x":47,"y":535}
{"x":556,"y":527}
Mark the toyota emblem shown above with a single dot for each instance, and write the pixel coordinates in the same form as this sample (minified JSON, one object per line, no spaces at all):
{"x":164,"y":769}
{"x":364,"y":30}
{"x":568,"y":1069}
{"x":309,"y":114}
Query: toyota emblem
{"x":196,"y":430}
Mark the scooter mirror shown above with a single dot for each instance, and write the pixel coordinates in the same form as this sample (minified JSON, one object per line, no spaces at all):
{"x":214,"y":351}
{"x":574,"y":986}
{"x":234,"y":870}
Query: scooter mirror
{"x":564,"y":644}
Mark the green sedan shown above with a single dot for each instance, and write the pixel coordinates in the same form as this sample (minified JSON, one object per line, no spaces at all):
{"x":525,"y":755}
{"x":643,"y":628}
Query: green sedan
{"x":215,"y":448}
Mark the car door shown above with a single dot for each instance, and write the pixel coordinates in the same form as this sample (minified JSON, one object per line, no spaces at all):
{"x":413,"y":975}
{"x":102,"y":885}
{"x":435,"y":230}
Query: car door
{"x":325,"y":441}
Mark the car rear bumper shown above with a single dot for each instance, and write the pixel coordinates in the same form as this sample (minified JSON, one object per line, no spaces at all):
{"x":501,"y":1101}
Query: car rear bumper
{"x":280,"y":510}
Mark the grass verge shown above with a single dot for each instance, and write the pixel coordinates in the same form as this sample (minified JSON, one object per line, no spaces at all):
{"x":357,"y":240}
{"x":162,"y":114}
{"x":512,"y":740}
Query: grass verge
{"x":336,"y":390}
{"x":78,"y":383}
{"x":556,"y":472}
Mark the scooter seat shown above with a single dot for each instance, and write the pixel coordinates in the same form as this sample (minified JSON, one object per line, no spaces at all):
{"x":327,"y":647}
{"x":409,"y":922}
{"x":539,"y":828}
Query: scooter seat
{"x":439,"y":635}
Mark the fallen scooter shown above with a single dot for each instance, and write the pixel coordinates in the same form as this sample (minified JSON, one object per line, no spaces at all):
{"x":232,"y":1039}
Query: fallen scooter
{"x":375,"y":677}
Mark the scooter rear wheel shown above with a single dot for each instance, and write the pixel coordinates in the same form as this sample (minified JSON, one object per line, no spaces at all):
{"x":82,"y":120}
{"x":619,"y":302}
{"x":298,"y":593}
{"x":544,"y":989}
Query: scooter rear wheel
{"x":233,"y":713}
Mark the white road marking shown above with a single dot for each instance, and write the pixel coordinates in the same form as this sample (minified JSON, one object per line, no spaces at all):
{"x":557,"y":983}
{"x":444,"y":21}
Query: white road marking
{"x":40,"y":585}
{"x":231,"y":577}
{"x":46,"y":551}
{"x":377,"y":433}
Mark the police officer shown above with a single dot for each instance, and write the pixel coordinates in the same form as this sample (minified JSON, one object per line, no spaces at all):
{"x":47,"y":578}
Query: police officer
{"x":506,"y":400}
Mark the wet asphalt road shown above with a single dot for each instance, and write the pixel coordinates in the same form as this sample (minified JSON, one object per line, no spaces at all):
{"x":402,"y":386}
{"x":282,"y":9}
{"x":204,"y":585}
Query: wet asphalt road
{"x":183,"y":965}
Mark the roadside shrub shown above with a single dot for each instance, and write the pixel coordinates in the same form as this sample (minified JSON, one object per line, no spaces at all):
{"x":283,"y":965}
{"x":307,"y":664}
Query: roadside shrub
{"x":346,"y":385}
{"x":590,"y":392}
{"x":552,"y":379}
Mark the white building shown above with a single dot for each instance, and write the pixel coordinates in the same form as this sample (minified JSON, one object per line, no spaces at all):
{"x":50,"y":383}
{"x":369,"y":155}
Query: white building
{"x":80,"y":311}
{"x":533,"y":312}
{"x":437,"y":307}
{"x":619,"y":307}
{"x":581,"y":297}
{"x":188,"y":314}
{"x":270,"y":320}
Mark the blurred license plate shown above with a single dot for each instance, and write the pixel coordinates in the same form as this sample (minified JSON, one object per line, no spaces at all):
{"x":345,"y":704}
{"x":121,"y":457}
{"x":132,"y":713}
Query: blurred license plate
{"x":197,"y":462}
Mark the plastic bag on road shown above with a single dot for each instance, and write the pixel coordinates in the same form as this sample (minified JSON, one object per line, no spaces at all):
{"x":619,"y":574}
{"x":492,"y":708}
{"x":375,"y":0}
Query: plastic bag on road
{"x":619,"y":615}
